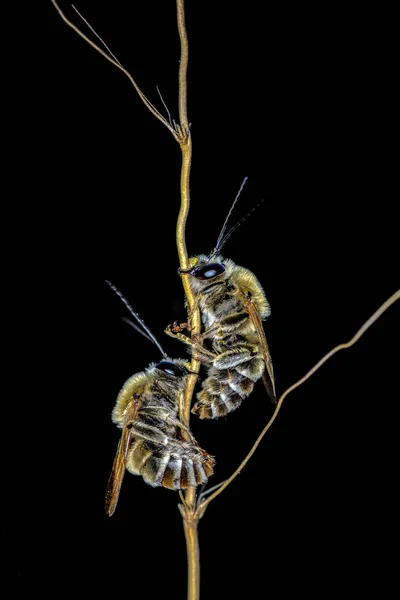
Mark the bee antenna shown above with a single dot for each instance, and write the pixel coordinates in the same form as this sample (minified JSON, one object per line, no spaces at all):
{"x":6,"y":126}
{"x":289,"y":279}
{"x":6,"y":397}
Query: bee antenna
{"x":147,"y":333}
{"x":220,"y":237}
{"x":136,"y":328}
{"x":232,"y":229}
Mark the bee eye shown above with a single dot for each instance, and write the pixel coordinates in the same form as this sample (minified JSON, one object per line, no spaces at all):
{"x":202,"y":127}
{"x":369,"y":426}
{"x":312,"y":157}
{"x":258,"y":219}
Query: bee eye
{"x":208,"y":271}
{"x":171,"y":368}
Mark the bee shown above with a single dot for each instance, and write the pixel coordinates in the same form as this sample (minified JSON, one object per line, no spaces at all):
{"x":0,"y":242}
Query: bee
{"x":151,"y":443}
{"x":232,"y":344}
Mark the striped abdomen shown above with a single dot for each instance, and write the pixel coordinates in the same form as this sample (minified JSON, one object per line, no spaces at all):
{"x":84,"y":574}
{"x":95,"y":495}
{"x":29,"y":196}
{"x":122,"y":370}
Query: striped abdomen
{"x":224,"y":390}
{"x":176,"y":466}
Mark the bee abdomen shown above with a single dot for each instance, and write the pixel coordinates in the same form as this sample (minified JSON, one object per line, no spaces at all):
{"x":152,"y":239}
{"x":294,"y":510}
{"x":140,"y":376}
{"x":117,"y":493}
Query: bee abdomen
{"x":172,"y":475}
{"x":194,"y":474}
{"x":181,"y":473}
{"x":214,"y":406}
{"x":154,"y":469}
{"x":139,"y":454}
{"x":222,"y":393}
{"x":218,"y":382}
{"x":195,"y":469}
{"x":185,"y":467}
{"x":253,"y":369}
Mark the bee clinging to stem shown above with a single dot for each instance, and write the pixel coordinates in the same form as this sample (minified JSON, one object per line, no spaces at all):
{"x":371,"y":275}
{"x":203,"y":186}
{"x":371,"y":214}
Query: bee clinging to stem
{"x":151,"y":444}
{"x":232,"y":344}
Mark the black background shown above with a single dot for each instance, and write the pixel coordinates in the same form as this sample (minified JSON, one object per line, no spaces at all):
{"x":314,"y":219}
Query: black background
{"x":301,"y":101}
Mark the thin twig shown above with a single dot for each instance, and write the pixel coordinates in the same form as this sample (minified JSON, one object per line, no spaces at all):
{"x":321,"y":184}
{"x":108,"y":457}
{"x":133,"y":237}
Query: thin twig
{"x":188,"y":510}
{"x":190,"y":523}
{"x":183,"y":66}
{"x":117,"y":64}
{"x":354,"y":339}
{"x":186,"y":147}
{"x":209,"y":491}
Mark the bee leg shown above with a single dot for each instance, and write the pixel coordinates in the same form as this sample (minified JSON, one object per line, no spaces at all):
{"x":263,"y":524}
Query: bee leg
{"x":175,"y":332}
{"x":148,"y":433}
{"x":198,"y":349}
{"x":178,"y":327}
{"x":164,"y":415}
{"x":178,"y":423}
{"x":232,"y":358}
{"x":208,"y":333}
{"x":201,"y":353}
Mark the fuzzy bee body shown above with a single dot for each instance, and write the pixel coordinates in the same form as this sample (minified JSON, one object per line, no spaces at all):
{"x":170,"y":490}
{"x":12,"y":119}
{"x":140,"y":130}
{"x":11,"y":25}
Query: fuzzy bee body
{"x":154,"y":443}
{"x":156,"y":451}
{"x":232,"y":345}
{"x":228,"y":325}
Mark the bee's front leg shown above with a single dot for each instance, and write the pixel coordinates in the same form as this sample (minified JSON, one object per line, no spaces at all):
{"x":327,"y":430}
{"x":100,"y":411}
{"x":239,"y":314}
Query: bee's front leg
{"x":178,"y":327}
{"x":198,"y":349}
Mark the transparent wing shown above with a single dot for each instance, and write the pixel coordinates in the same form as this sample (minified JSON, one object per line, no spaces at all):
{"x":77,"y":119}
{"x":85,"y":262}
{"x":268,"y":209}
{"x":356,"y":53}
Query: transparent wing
{"x":268,"y":376}
{"x":118,"y":469}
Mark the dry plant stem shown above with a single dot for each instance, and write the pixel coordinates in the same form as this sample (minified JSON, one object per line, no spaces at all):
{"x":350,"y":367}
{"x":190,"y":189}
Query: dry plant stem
{"x":190,"y":520}
{"x":188,"y":509}
{"x":324,"y":359}
{"x":151,"y":108}
{"x":186,"y":148}
{"x":182,"y":136}
{"x":183,"y":65}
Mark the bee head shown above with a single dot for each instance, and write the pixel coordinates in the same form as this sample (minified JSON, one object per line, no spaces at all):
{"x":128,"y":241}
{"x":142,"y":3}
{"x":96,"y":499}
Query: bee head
{"x":174,"y":368}
{"x":208,"y":270}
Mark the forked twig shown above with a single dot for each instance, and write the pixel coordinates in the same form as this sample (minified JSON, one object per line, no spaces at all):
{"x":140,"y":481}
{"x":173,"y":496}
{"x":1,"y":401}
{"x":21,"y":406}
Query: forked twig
{"x":324,"y":359}
{"x":117,"y":64}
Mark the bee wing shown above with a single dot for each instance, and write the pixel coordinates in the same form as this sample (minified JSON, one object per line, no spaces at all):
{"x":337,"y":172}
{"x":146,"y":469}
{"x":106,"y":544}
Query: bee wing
{"x":118,"y":469}
{"x":268,"y":376}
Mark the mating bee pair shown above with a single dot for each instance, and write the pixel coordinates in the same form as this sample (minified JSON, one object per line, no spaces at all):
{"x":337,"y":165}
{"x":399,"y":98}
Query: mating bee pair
{"x":234,"y":350}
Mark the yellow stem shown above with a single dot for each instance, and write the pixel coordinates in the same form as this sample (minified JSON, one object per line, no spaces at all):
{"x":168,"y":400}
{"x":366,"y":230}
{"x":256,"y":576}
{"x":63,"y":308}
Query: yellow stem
{"x":187,"y":509}
{"x":194,"y":313}
{"x":183,"y":65}
{"x":193,"y":554}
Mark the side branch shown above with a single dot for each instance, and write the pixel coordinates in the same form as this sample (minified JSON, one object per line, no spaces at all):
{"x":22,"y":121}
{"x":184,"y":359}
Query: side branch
{"x":147,"y":103}
{"x":396,"y":296}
